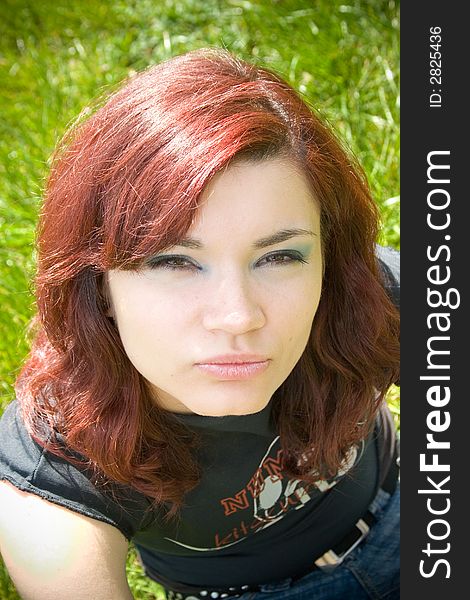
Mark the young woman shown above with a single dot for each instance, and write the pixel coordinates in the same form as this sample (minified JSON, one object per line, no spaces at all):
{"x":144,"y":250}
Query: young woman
{"x":215,"y":336}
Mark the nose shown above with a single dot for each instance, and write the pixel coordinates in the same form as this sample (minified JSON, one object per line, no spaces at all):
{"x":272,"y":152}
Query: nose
{"x":233,"y":308}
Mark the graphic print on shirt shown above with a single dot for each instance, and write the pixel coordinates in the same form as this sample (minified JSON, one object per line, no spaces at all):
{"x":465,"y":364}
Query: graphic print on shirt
{"x":267,"y":497}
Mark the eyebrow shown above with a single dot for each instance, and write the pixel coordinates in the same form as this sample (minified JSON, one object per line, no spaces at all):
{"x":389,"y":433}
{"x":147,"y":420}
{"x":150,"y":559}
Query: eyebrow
{"x":270,"y":240}
{"x":282,"y":236}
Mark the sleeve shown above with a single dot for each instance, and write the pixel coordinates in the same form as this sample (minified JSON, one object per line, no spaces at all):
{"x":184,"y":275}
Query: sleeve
{"x":387,"y":442}
{"x":389,"y":261}
{"x":30,"y":468}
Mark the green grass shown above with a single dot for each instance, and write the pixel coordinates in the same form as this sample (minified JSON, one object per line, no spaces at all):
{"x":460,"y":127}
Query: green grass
{"x":142,"y":587}
{"x":57,"y":55}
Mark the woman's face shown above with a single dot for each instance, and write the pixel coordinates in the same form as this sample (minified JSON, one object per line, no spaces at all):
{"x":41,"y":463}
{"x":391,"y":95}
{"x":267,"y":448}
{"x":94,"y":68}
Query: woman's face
{"x":217,"y":322}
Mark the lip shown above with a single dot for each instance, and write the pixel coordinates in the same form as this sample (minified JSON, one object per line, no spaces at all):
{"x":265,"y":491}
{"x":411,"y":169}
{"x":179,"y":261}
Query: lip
{"x":234,"y":367}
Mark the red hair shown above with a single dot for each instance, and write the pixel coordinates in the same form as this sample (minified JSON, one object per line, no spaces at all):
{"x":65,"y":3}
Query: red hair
{"x":125,"y":184}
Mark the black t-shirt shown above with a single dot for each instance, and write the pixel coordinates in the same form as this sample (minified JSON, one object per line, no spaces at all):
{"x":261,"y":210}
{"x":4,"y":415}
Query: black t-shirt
{"x":245,"y":523}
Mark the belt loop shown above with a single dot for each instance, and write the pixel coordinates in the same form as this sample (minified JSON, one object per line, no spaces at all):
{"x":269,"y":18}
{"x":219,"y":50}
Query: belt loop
{"x":334,"y":557}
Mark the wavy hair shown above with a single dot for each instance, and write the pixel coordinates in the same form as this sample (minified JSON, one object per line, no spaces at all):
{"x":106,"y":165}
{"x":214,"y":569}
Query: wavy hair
{"x":125,"y":183}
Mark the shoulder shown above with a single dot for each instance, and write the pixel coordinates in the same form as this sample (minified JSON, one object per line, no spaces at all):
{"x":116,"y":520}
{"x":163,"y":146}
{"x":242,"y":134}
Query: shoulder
{"x":50,"y":551}
{"x":33,"y":470}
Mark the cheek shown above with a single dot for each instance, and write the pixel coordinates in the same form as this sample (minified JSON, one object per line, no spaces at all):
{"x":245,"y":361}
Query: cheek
{"x":147,"y":324}
{"x":298,"y":312}
{"x":141,"y":307}
{"x":299,"y":301}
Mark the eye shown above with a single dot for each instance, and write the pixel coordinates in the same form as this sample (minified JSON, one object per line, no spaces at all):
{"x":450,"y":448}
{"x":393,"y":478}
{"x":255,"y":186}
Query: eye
{"x":281,"y":257}
{"x":172,"y":263}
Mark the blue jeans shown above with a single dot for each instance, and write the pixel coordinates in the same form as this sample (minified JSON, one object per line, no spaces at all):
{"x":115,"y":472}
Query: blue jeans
{"x":371,"y":571}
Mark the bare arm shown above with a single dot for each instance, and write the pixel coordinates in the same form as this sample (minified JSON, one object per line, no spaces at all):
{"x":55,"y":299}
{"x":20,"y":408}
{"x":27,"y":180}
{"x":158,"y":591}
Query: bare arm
{"x":52,"y":552}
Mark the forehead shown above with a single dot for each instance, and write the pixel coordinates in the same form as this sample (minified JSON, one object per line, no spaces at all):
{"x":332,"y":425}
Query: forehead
{"x":253,"y":198}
